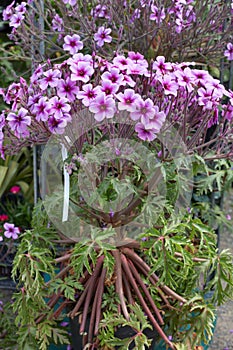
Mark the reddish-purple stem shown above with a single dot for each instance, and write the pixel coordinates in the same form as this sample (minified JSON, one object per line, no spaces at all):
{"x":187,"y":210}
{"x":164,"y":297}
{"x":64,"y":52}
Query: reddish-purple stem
{"x":58,"y":311}
{"x":80,"y":301}
{"x":91,"y":291}
{"x":54,"y":299}
{"x":85,"y":277}
{"x":63,"y":258}
{"x":99,"y":300}
{"x":93,"y":313}
{"x":161,"y":293}
{"x":134,"y":257}
{"x":119,"y":286}
{"x":146,"y":292}
{"x":127,"y":289}
{"x":143,"y":303}
{"x":60,"y":274}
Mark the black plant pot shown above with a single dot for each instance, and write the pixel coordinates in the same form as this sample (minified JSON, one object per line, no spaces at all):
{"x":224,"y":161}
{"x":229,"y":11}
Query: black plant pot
{"x":78,"y":340}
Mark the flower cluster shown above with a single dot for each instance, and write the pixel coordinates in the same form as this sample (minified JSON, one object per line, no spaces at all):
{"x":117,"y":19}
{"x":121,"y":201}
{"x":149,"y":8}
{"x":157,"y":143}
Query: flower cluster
{"x":151,"y":94}
{"x":15,"y":14}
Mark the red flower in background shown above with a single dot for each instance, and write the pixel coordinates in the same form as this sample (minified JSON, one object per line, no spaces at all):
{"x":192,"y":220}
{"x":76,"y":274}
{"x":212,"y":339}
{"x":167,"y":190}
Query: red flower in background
{"x":15,"y":189}
{"x":4,"y":217}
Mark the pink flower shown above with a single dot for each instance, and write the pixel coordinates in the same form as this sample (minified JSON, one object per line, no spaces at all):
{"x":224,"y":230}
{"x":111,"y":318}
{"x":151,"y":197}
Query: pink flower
{"x":137,"y":58}
{"x":127,"y":100}
{"x":11,"y":231}
{"x":113,"y":75}
{"x":19,"y":122}
{"x":200,"y":76}
{"x":157,"y":14}
{"x":228,"y":112}
{"x":205,"y":98}
{"x":2,"y":119}
{"x":87,"y":94}
{"x":36,"y":74}
{"x":128,"y":81}
{"x":80,"y":57}
{"x":229,"y":93}
{"x":72,"y":43}
{"x":59,"y":107}
{"x":42,"y":109}
{"x":67,"y":88}
{"x":216,"y":86}
{"x":16,"y":19}
{"x":145,"y":132}
{"x":143,"y":109}
{"x":179,"y":24}
{"x":108,"y":87}
{"x":15,"y":189}
{"x":57,"y":23}
{"x":157,"y":121}
{"x":185,"y":78}
{"x":8,"y":12}
{"x":21,"y":8}
{"x":160,"y":66}
{"x":136,"y":68}
{"x":100,"y":11}
{"x":169,"y":85}
{"x":103,"y":107}
{"x":52,"y":78}
{"x":12,"y":93}
{"x":102,"y":36}
{"x":57,"y":126}
{"x":228,"y":53}
{"x":81,"y":71}
{"x":121,"y":62}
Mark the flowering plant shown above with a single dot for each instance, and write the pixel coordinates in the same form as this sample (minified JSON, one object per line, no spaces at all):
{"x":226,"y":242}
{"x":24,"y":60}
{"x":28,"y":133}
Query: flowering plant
{"x":8,"y":230}
{"x":15,"y":217}
{"x":125,"y":128}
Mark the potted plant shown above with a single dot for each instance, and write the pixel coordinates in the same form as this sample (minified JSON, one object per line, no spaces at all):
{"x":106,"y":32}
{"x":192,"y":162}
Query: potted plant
{"x":115,"y":235}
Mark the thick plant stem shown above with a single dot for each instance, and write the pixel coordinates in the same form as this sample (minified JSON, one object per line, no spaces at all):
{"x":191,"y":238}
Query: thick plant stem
{"x":146,"y":292}
{"x":127,"y":290}
{"x":61,"y":307}
{"x":161,"y":293}
{"x":60,"y":274}
{"x":80,"y":301}
{"x":99,"y":300}
{"x":63,"y":258}
{"x":53,"y":300}
{"x":85,"y":277}
{"x":134,"y":257}
{"x":91,"y":291}
{"x":119,"y":285}
{"x":93,"y":312}
{"x":143,"y":303}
